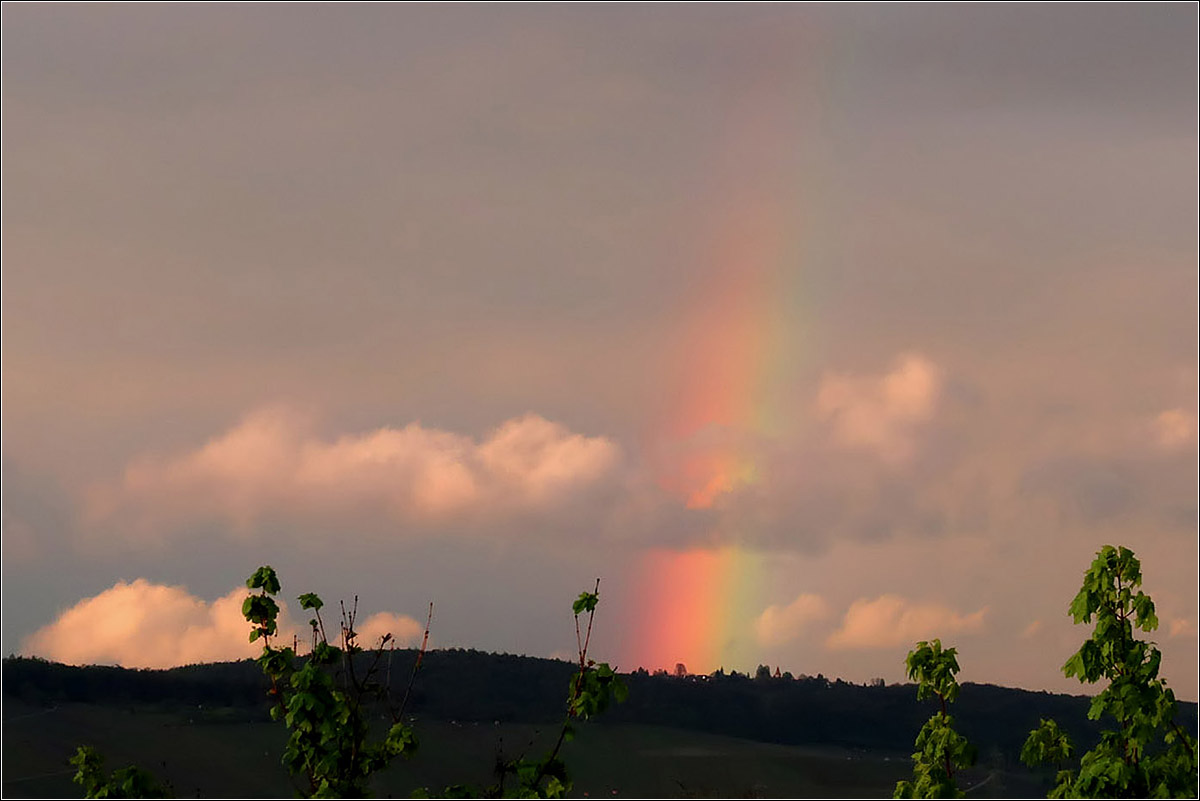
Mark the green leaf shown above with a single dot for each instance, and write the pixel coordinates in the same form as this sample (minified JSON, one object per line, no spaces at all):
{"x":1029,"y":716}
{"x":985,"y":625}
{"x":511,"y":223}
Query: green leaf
{"x":265,"y":579}
{"x":586,"y":602}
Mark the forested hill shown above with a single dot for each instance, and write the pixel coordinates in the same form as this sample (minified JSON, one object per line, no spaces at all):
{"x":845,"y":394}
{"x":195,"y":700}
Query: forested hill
{"x":464,"y":685}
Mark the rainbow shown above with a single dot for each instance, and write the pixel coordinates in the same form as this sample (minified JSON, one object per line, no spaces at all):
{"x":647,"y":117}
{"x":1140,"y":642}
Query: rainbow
{"x":695,"y":604}
{"x":734,"y":379}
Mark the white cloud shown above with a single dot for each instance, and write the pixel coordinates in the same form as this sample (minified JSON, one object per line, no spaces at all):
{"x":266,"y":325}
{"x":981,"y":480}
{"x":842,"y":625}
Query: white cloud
{"x":779,"y":624}
{"x":146,"y":625}
{"x":271,"y":465}
{"x":881,"y":414}
{"x":891,"y":620}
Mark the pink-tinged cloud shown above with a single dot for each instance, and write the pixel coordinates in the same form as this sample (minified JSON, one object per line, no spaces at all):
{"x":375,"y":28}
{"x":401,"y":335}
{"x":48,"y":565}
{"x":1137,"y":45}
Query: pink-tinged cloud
{"x":779,"y":624}
{"x":1175,"y":429}
{"x":890,"y":620}
{"x":881,"y":413}
{"x":404,"y":630}
{"x":141,"y":624}
{"x":145,"y":625}
{"x":1032,"y":629}
{"x":1180,"y":627}
{"x":272,"y":466}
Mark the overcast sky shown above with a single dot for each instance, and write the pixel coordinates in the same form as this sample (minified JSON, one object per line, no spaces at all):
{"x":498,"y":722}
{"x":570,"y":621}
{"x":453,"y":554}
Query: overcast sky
{"x":812,"y":330}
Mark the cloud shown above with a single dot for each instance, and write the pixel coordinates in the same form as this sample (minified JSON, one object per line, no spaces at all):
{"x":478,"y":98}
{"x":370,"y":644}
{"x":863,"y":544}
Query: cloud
{"x":1114,"y":488}
{"x":1032,"y":629}
{"x":529,"y":477}
{"x":272,"y":466}
{"x":777,"y":625}
{"x":1181,"y":627}
{"x":1175,"y":428}
{"x":890,"y":620}
{"x":808,"y":486}
{"x":404,"y":629}
{"x":881,"y":414}
{"x":145,"y":625}
{"x":809,"y":493}
{"x":965,"y":472}
{"x":140,"y":624}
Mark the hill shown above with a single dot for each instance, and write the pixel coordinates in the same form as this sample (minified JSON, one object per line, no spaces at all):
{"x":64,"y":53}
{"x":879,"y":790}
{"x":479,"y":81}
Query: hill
{"x":761,"y":736}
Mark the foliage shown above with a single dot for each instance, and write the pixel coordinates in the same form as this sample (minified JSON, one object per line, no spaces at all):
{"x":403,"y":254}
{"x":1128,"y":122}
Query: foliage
{"x":323,"y":699}
{"x":130,"y":782}
{"x":324,"y":703}
{"x":1147,"y":754}
{"x":940,"y":749}
{"x":592,"y":689}
{"x":1049,"y":743}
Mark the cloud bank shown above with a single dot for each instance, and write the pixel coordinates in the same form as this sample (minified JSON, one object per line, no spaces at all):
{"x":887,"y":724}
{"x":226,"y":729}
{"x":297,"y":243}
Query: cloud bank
{"x":780,"y":624}
{"x":891,"y":620}
{"x":140,"y":624}
{"x":273,"y":466}
{"x":894,"y":453}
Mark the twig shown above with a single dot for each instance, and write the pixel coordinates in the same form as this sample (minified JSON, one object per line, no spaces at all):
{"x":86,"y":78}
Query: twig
{"x":591,"y":616}
{"x":388,"y":677}
{"x":583,"y":667}
{"x":398,"y":715}
{"x":348,"y":635}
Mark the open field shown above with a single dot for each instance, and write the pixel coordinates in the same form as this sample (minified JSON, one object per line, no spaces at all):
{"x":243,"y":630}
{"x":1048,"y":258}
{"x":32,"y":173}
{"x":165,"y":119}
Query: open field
{"x":226,"y":752}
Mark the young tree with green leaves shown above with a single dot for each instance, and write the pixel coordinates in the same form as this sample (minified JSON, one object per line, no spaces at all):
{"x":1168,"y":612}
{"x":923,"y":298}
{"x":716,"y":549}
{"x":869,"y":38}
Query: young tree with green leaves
{"x":940,"y":749}
{"x":324,"y":703}
{"x":1050,"y":744}
{"x":1147,"y":754}
{"x":591,"y":691}
{"x":324,"y":700}
{"x":130,"y":782}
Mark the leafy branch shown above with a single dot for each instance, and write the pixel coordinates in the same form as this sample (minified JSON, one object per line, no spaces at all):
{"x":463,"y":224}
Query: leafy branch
{"x":128,"y":782}
{"x":940,"y":749}
{"x":323,"y":701}
{"x":590,"y":692}
{"x":1147,"y":754}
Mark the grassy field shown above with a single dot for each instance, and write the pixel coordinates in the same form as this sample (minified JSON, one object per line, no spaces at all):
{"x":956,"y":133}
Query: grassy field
{"x":227,"y":753}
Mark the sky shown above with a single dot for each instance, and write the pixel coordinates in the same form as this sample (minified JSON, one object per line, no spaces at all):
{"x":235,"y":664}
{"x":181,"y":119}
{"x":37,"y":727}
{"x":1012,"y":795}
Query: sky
{"x":811,"y":330}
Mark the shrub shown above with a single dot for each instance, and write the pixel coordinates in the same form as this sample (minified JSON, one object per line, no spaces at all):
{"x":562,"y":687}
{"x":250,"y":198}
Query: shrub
{"x":940,"y":749}
{"x":130,"y":782}
{"x":324,"y":701}
{"x":1147,"y":754}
